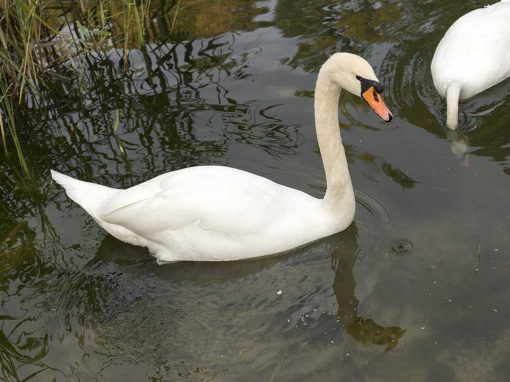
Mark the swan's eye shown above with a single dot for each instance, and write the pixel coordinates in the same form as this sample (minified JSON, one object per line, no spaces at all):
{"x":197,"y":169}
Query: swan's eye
{"x":368,"y":84}
{"x":365,"y":84}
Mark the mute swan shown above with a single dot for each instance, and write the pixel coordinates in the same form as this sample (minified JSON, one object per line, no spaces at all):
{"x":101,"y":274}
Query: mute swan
{"x":473,"y":55}
{"x":215,"y":213}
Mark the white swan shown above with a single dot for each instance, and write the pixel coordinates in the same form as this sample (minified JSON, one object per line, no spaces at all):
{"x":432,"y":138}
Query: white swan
{"x":214,"y":213}
{"x":473,"y":55}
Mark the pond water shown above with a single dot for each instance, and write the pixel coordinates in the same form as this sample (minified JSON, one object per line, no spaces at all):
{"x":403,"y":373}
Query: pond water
{"x":417,"y":289}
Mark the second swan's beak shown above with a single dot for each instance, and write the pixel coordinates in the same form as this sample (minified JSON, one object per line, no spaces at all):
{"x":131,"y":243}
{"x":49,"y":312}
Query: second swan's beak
{"x":374,"y":99}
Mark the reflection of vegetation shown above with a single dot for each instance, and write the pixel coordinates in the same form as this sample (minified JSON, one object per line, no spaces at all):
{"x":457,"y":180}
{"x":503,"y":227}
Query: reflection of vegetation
{"x":21,"y":342}
{"x":397,"y":175}
{"x":35,"y":289}
{"x":364,"y":330}
{"x":198,"y":18}
{"x":19,"y":347}
{"x":357,"y":19}
{"x":325,"y":27}
{"x":369,"y":24}
{"x":157,"y":109}
{"x":306,"y":19}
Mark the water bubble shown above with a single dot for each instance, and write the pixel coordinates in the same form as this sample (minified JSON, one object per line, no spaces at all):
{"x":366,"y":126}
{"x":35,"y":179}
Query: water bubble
{"x":401,"y":247}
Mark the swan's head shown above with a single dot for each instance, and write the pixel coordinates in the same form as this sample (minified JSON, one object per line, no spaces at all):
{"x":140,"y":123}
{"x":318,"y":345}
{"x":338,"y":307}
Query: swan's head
{"x":354,"y":74}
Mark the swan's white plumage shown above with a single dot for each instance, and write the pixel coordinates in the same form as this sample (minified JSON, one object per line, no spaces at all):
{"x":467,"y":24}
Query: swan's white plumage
{"x":473,"y":55}
{"x":218,"y":211}
{"x":211,"y":213}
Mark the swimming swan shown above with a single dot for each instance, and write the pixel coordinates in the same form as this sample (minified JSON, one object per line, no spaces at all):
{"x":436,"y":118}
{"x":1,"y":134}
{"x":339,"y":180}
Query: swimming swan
{"x":215,"y":213}
{"x":473,"y":55}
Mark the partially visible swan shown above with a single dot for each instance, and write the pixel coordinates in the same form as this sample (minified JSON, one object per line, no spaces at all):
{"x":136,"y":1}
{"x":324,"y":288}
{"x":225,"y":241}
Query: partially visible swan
{"x":214,"y":213}
{"x":473,"y":55}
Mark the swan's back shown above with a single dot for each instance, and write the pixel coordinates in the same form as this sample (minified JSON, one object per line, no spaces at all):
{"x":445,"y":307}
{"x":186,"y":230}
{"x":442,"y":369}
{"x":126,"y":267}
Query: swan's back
{"x":475,"y":51}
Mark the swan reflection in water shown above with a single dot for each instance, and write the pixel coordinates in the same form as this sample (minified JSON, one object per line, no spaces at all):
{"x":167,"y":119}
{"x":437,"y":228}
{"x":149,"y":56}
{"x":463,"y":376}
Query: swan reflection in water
{"x":364,"y":330}
{"x":134,"y":306}
{"x":244,"y":285}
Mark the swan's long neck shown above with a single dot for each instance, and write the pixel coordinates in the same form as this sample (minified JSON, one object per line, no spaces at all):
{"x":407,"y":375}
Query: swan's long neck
{"x":339,"y":190}
{"x":452,"y":105}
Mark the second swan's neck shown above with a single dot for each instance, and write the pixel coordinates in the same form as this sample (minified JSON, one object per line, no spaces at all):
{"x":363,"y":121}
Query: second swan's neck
{"x":452,"y":105}
{"x":339,"y":192}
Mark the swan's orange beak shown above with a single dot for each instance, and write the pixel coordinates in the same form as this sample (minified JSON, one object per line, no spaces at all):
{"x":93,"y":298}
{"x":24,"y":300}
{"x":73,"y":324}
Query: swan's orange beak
{"x":374,"y":99}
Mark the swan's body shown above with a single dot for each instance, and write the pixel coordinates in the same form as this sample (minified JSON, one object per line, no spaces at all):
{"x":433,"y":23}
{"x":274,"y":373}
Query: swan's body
{"x":473,"y":55}
{"x":214,"y":213}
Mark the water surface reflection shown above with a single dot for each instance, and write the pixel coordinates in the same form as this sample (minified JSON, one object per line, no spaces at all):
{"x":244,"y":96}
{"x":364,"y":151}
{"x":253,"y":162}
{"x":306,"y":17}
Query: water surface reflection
{"x":77,"y":304}
{"x":214,"y":309}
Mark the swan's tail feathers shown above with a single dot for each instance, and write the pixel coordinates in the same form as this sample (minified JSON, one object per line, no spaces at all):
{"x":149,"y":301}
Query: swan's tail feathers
{"x":452,"y":105}
{"x":87,"y":195}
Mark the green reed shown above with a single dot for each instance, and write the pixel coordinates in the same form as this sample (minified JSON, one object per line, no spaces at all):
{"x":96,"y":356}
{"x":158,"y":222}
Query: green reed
{"x":32,"y":45}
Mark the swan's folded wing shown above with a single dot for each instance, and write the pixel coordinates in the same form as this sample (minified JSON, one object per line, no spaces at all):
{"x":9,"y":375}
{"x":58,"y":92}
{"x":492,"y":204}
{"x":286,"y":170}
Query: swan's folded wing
{"x":146,"y":216}
{"x":226,"y":205}
{"x":132,"y":195}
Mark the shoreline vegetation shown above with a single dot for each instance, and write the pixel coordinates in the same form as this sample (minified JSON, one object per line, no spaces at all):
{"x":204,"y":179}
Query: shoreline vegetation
{"x":42,"y":42}
{"x":49,"y":44}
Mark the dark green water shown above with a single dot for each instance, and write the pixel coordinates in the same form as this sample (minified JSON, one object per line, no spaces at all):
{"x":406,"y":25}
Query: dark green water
{"x":417,"y":289}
